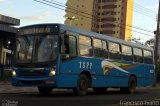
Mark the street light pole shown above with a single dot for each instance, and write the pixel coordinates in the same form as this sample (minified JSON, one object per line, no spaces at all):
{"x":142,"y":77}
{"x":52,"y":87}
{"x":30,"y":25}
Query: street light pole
{"x":71,"y":19}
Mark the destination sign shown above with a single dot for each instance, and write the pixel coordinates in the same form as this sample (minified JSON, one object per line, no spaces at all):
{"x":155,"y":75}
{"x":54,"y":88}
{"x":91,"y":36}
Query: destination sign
{"x":38,"y":29}
{"x":34,"y":30}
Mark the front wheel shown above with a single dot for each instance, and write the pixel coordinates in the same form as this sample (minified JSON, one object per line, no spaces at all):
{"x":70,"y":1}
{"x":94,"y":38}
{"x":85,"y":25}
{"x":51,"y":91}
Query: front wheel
{"x":82,"y":85}
{"x":45,"y":90}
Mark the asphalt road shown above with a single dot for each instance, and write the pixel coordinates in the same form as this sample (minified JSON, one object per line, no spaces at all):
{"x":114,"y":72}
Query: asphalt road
{"x":146,"y":97}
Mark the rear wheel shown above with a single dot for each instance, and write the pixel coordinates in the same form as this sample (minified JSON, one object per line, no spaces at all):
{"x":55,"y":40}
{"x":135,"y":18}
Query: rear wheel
{"x":100,"y":90}
{"x":82,"y":85}
{"x":131,"y":86}
{"x":45,"y":90}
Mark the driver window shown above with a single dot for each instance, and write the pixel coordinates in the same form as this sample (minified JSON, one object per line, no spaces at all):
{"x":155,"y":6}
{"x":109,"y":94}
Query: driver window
{"x":68,"y":47}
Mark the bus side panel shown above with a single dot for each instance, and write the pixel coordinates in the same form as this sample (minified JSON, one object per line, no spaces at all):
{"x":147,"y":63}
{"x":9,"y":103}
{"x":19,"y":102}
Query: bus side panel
{"x":118,"y":82}
{"x":149,"y":74}
{"x":140,"y":81}
{"x":67,"y":80}
{"x":71,"y":70}
{"x":116,"y":74}
{"x":98,"y":81}
{"x":68,"y":73}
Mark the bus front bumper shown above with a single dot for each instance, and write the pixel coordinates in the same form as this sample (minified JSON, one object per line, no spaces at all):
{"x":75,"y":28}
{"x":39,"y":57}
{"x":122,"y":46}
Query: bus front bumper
{"x":26,"y":82}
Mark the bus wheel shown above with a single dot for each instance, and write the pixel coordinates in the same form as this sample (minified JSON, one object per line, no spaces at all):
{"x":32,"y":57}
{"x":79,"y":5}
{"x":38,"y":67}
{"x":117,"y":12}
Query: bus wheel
{"x":100,"y":90}
{"x":131,"y":86}
{"x":82,"y":85}
{"x":45,"y":90}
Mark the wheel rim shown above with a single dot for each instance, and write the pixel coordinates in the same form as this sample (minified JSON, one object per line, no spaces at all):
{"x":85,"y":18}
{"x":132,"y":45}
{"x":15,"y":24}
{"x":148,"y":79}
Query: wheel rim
{"x":132,"y":86}
{"x":83,"y":85}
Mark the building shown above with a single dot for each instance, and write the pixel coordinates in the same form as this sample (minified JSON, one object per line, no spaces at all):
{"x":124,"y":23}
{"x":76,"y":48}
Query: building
{"x":7,"y":35}
{"x":81,"y":9}
{"x":110,"y":17}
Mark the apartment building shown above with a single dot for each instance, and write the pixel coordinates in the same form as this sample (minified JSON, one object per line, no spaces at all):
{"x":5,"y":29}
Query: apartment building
{"x":109,"y":17}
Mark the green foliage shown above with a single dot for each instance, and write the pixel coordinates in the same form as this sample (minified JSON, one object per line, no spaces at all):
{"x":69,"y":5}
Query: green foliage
{"x":158,"y":67}
{"x":7,"y":75}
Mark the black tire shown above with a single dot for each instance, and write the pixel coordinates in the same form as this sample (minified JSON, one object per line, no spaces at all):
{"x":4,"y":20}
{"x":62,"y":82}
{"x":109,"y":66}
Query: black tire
{"x":100,"y":90}
{"x":124,"y":89}
{"x":82,"y":85}
{"x":45,"y":90}
{"x":131,"y":86}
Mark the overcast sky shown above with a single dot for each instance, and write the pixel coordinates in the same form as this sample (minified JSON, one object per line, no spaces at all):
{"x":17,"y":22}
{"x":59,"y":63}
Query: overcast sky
{"x":31,"y":12}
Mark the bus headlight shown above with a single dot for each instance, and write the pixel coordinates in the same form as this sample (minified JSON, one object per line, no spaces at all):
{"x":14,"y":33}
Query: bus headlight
{"x":13,"y":73}
{"x":52,"y":72}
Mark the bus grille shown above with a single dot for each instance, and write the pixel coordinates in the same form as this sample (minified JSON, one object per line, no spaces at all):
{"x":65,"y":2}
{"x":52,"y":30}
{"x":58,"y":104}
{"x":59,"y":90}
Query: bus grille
{"x":31,"y":82}
{"x":32,"y":72}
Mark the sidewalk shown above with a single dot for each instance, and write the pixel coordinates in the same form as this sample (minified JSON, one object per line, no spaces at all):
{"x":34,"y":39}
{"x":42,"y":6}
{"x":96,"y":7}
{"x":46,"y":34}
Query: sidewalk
{"x":6,"y":87}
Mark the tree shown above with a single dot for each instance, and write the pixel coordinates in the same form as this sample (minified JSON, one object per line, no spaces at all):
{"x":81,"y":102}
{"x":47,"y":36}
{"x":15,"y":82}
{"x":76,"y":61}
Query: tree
{"x":137,"y":40}
{"x":150,"y":42}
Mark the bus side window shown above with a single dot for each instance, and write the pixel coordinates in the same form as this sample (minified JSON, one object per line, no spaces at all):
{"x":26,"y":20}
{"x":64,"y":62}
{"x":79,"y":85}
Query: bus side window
{"x":148,"y":57}
{"x":138,"y":57}
{"x":72,"y":46}
{"x":97,"y":43}
{"x":100,"y":48}
{"x":127,"y":53}
{"x":114,"y":50}
{"x":69,"y":47}
{"x":85,"y":46}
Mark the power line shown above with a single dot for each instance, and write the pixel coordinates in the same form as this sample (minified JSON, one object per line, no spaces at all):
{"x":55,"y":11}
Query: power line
{"x":93,"y":15}
{"x":60,"y":8}
{"x":74,"y":8}
{"x":77,"y":13}
{"x":142,"y":12}
{"x":137,"y":32}
{"x":142,"y":7}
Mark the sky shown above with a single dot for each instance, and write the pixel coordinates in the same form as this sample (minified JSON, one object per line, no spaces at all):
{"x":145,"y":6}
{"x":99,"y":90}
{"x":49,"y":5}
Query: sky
{"x":32,"y":12}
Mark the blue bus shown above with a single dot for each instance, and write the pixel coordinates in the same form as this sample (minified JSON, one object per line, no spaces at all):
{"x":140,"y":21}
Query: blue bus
{"x":51,"y":56}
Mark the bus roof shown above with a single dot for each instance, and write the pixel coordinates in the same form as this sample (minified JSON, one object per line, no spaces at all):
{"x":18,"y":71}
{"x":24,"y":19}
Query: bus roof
{"x":101,"y":36}
{"x":92,"y":34}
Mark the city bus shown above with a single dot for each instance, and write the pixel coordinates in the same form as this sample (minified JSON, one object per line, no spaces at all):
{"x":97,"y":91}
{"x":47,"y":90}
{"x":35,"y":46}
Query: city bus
{"x":49,"y":56}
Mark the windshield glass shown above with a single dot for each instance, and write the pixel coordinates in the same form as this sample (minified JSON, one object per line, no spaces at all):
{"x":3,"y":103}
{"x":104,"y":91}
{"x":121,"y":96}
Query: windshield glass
{"x":24,"y":48}
{"x":36,"y":48}
{"x":45,"y":48}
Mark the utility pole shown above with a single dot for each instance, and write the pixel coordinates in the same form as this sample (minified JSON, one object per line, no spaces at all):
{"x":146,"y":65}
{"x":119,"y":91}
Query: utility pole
{"x":157,"y":39}
{"x":157,"y":46}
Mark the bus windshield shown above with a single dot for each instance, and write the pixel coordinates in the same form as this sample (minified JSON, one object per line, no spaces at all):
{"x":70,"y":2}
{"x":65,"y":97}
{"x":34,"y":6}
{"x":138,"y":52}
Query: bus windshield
{"x":36,"y":49}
